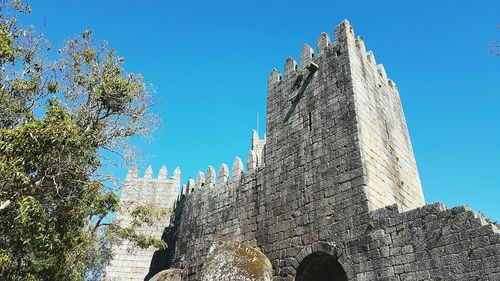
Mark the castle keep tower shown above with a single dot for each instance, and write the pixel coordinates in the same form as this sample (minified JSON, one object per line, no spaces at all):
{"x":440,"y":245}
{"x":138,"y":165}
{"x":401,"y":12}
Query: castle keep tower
{"x":338,"y":117}
{"x":332,"y":191}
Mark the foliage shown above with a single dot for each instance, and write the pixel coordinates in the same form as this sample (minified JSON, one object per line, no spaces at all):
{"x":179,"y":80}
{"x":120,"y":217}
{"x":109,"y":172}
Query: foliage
{"x":60,"y":121}
{"x":301,"y":71}
{"x":490,"y":221}
{"x":141,"y":215}
{"x":6,"y":45}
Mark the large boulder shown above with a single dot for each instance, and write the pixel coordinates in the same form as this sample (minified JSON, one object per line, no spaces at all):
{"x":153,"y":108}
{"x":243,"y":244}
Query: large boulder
{"x":173,"y":274}
{"x":232,"y":260}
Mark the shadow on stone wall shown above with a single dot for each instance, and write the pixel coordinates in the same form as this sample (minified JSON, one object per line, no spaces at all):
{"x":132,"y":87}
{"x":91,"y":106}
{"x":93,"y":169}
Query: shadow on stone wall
{"x":163,"y":259}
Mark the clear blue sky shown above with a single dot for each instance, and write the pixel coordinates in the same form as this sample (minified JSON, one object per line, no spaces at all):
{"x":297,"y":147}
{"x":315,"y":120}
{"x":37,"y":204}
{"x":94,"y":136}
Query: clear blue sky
{"x":209,"y":61}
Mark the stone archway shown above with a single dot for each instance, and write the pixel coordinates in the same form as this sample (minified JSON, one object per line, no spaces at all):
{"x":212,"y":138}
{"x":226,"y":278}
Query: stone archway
{"x":320,"y":266}
{"x":322,"y":261}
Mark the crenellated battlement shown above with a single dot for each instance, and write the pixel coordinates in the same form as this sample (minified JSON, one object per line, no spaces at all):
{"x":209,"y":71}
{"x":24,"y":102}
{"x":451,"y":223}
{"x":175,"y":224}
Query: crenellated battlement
{"x":307,"y":56}
{"x":325,"y":50}
{"x":149,"y":189}
{"x":215,"y":180}
{"x":133,"y":174}
{"x":210,"y":179}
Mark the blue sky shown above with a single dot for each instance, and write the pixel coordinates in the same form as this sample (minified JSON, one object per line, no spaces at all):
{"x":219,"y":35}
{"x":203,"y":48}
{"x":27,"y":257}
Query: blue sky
{"x":209,"y":61}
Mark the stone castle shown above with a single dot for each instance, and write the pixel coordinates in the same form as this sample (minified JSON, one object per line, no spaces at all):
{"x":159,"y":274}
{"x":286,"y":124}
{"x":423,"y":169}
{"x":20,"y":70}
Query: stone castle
{"x":331,"y":193}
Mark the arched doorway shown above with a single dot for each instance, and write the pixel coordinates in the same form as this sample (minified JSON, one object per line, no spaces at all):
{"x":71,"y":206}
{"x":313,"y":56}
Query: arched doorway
{"x":320,"y":266}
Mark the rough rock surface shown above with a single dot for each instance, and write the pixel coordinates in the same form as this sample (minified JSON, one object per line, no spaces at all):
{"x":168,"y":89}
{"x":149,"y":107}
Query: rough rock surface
{"x":173,"y":274}
{"x":232,"y":260}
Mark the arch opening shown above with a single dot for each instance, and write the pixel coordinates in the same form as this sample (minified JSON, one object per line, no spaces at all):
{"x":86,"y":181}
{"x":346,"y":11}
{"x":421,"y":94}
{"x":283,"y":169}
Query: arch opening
{"x":320,"y":266}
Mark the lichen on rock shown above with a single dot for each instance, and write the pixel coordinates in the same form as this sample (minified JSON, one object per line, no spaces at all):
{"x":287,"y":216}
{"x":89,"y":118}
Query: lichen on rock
{"x":233,"y":260}
{"x":172,"y":274}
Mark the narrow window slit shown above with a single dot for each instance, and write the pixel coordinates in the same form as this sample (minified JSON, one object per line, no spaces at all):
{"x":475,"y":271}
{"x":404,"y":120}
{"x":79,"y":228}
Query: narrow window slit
{"x":310,"y":121}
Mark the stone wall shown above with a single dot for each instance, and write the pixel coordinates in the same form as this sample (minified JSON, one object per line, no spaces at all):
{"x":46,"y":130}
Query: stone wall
{"x":338,"y":176}
{"x":227,"y":208}
{"x":428,"y":243}
{"x":390,"y":166}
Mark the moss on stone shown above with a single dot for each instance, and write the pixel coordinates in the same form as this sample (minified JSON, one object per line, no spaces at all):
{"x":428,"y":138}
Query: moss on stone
{"x":229,"y":259}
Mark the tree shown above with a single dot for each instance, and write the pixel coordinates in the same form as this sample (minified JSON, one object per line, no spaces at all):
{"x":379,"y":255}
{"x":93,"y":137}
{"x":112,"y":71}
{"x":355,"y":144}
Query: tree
{"x":62,"y":122}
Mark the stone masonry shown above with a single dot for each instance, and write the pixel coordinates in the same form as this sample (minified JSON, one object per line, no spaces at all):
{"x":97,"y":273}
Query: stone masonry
{"x":332,"y":192}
